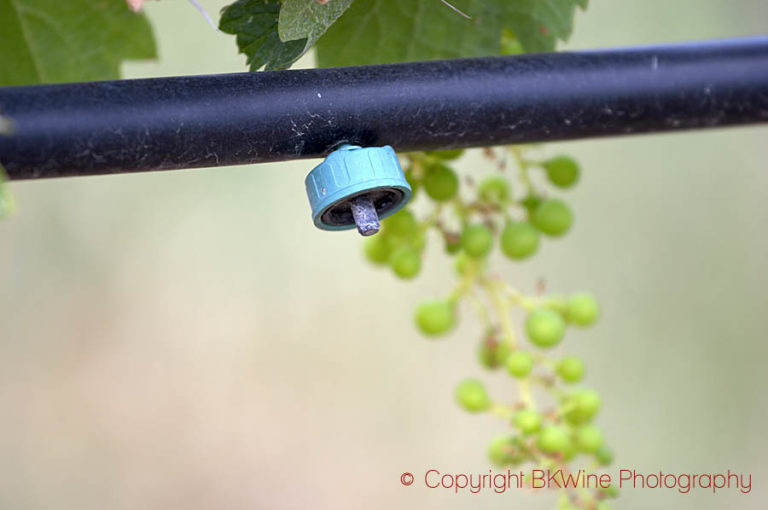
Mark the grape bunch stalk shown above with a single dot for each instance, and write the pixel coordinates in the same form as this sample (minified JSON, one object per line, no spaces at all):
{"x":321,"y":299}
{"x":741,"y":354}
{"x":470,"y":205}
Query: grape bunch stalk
{"x":553,"y":432}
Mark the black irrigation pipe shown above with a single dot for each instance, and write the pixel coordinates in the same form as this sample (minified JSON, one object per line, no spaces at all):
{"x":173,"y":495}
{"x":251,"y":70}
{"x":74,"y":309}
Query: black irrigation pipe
{"x":203,"y":121}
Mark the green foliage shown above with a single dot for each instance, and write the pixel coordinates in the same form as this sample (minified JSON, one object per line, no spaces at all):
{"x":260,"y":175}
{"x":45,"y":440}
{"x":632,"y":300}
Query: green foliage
{"x":275,"y":34}
{"x":308,"y":19}
{"x":50,"y":41}
{"x":378,"y":31}
{"x":255,"y":23}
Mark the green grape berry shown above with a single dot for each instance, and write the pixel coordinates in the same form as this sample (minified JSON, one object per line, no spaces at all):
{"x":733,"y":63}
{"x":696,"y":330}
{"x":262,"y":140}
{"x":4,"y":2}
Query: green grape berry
{"x":377,"y":249}
{"x":471,"y":395}
{"x":413,"y":181}
{"x":492,"y":353}
{"x":519,"y":240}
{"x":581,"y":406}
{"x":477,"y":241}
{"x":528,"y":421}
{"x":440,"y":183}
{"x":571,"y":369}
{"x":553,"y":217}
{"x":562,"y":171}
{"x":503,"y":451}
{"x":553,"y":439}
{"x":519,"y":364}
{"x":435,"y":317}
{"x":589,"y":438}
{"x":583,"y":309}
{"x":545,"y":327}
{"x":401,"y":224}
{"x":570,"y":451}
{"x":494,"y":190}
{"x":531,"y":202}
{"x":603,"y":505}
{"x":406,"y":262}
{"x":604,"y":455}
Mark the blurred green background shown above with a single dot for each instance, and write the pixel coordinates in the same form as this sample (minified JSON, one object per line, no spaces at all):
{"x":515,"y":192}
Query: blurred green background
{"x":189,"y":340}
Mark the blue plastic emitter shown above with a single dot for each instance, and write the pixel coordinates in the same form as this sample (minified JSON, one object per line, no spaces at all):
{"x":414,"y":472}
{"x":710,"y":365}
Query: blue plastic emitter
{"x":355,"y":187}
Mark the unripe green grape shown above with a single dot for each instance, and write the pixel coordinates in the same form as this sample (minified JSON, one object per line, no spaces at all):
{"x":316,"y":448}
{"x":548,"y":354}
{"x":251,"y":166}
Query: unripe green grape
{"x":418,"y":240}
{"x":503,"y":451}
{"x":463,"y":264}
{"x":553,"y":439}
{"x":401,"y":224}
{"x":406,"y":262}
{"x":562,"y":171}
{"x":440,"y":183}
{"x":583,"y":309}
{"x":471,"y":395}
{"x":570,"y":451}
{"x":545,"y":327}
{"x":604,"y":455}
{"x":581,"y":406}
{"x":519,"y":240}
{"x":494,"y":190}
{"x":492,"y":353}
{"x":528,"y":421}
{"x":377,"y":249}
{"x":477,"y":241}
{"x":531,"y":202}
{"x":589,"y":438}
{"x":413,"y":181}
{"x":435,"y":317}
{"x":448,"y":155}
{"x":553,"y":217}
{"x":519,"y":364}
{"x":603,"y":505}
{"x":571,"y":369}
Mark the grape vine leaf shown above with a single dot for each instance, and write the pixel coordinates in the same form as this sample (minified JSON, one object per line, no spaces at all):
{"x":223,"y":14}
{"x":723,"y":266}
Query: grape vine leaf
{"x":379,"y":31}
{"x":308,"y":19}
{"x":254,"y":23}
{"x":49,"y":41}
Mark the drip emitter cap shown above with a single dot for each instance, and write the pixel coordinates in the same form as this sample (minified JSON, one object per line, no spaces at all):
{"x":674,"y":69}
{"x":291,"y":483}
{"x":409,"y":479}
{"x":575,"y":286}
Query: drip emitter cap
{"x":356,"y":187}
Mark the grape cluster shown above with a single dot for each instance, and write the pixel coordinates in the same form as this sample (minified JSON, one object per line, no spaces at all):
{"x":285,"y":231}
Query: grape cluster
{"x":517,"y":221}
